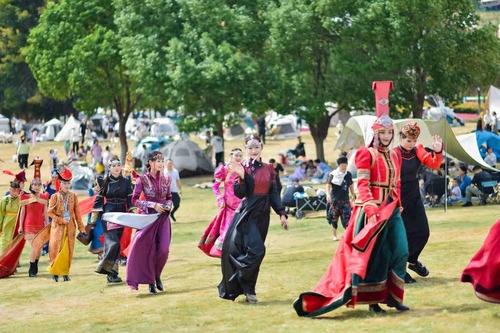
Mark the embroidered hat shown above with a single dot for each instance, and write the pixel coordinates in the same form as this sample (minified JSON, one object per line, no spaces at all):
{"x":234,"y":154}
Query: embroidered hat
{"x":65,"y":175}
{"x":382,"y":89}
{"x":19,"y":178}
{"x":411,"y":131}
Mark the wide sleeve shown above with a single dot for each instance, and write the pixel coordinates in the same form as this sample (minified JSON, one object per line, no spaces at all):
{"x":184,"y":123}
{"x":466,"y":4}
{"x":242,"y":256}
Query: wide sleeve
{"x":3,"y":206}
{"x":130,"y":193}
{"x":219,"y":175}
{"x":240,"y":187}
{"x":99,"y":199}
{"x":363,"y":163}
{"x":52,"y":211}
{"x":168,"y":198}
{"x":274,"y":196}
{"x":78,"y":216}
{"x":430,"y":159}
{"x":141,"y":204}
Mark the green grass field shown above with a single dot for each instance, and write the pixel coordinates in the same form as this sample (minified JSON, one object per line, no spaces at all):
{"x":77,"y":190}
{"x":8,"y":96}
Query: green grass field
{"x":295,"y":261}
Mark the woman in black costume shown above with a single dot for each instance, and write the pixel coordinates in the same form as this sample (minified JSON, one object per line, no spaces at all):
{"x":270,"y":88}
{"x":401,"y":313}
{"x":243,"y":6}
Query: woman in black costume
{"x":412,"y":156}
{"x":118,"y":193}
{"x":243,"y":249}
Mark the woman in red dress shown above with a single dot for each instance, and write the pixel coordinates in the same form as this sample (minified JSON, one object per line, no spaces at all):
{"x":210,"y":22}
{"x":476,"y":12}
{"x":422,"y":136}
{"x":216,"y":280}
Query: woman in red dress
{"x":33,"y":215}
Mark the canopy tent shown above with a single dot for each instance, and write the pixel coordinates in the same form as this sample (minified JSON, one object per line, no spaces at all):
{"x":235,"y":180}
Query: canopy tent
{"x":67,"y":131}
{"x":358,"y":132}
{"x":493,"y":100}
{"x":188,"y":158}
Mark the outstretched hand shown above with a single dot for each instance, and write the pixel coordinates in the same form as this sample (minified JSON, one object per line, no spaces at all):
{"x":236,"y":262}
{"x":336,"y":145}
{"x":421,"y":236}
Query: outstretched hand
{"x":238,"y":168}
{"x":437,"y":143}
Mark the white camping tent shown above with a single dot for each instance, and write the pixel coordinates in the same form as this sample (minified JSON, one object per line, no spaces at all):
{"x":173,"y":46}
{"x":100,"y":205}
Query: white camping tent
{"x":358,"y":132}
{"x":188,"y":158}
{"x":237,"y":131}
{"x":82,"y":176}
{"x":66,"y":132}
{"x":166,"y":127}
{"x":50,"y":129}
{"x":283,"y":127}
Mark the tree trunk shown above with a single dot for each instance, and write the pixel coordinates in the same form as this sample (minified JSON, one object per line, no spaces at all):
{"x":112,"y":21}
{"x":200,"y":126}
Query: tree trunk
{"x":419,"y":97}
{"x":220,"y":130}
{"x":319,"y":133}
{"x":122,"y":120}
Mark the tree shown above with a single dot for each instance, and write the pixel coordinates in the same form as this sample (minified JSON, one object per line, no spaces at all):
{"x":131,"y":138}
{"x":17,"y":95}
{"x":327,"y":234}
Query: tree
{"x":74,"y":53}
{"x":425,"y":47}
{"x":18,"y":88}
{"x":300,"y":50}
{"x":211,"y":69}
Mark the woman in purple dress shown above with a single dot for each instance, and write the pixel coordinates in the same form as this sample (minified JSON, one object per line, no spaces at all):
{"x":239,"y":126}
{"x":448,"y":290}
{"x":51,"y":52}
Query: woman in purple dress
{"x":150,"y":246}
{"x":213,"y":237}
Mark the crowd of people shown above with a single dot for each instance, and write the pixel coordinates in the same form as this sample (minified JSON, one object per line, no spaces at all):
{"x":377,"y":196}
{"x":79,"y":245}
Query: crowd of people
{"x":385,"y":219}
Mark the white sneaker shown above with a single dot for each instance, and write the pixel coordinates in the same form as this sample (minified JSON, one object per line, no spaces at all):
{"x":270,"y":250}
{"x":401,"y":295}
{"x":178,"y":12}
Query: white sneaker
{"x":335,"y":239}
{"x":252,"y":299}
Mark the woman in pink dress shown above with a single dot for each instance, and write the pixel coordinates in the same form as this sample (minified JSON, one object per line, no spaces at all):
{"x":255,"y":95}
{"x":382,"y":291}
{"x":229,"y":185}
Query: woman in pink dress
{"x":213,"y":237}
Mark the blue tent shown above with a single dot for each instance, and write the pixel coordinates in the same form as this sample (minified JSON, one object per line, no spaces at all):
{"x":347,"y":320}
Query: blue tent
{"x":491,"y":139}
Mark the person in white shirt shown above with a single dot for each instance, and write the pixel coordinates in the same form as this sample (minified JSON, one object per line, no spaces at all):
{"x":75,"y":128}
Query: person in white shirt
{"x":218,"y":145}
{"x":487,"y":121}
{"x":154,"y":129}
{"x":456,"y":194}
{"x":175,"y":187}
{"x":491,"y":158}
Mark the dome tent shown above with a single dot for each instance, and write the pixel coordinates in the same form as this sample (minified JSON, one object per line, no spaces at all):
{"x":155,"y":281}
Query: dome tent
{"x":188,"y":158}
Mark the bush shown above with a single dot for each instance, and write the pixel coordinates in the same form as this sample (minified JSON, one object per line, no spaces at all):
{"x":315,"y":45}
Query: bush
{"x":467,"y":108}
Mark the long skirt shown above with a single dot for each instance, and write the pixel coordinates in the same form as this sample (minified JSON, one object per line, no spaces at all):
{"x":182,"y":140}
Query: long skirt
{"x":483,"y":271}
{"x":213,"y":238}
{"x":369,"y":265}
{"x":96,"y":245}
{"x":109,"y":262}
{"x":149,"y":252}
{"x":243,"y":251}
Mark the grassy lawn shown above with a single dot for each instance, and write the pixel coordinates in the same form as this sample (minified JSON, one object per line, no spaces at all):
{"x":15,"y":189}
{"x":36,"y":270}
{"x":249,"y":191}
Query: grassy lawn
{"x":295,"y":261}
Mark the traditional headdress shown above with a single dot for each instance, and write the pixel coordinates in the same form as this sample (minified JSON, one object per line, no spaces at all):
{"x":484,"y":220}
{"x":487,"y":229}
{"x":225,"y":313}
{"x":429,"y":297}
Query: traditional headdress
{"x":252,"y":140}
{"x":65,"y":175}
{"x":18,"y":178}
{"x":383,"y":121}
{"x":37,"y":162}
{"x":411,"y":131}
{"x":382,"y":89}
{"x":129,"y":166}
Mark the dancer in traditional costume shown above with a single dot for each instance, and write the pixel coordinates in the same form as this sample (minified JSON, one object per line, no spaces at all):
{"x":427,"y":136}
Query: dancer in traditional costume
{"x":213,"y":237}
{"x":483,"y":271}
{"x":412,"y":156}
{"x":115,"y":195}
{"x":19,"y":178}
{"x":369,"y":265}
{"x":33,"y":215}
{"x":150,"y":246}
{"x":50,"y":187}
{"x":9,"y":208}
{"x":96,"y":245}
{"x":126,"y":240}
{"x":66,"y":218}
{"x":243,"y":249}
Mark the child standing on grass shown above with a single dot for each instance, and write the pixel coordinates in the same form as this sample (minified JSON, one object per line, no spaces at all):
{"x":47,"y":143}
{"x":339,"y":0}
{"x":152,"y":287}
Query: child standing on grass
{"x":338,"y":185}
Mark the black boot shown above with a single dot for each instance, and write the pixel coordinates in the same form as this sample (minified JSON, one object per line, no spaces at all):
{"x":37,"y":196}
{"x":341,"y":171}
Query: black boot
{"x":31,"y":271}
{"x":114,"y":278}
{"x":55,"y":278}
{"x":409,"y":279}
{"x":66,"y":278}
{"x":375,"y":308}
{"x":152,"y":289}
{"x":36,"y":267}
{"x":159,"y":284}
{"x":392,"y":303}
{"x":419,"y":268}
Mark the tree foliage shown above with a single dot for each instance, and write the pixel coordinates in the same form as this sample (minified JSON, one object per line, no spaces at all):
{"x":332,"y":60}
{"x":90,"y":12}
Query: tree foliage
{"x":425,"y":47}
{"x":17,"y":85}
{"x":74,"y":53}
{"x":208,"y":63}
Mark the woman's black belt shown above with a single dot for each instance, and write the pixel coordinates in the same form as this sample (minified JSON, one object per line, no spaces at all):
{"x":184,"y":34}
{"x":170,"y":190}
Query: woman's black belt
{"x":116,"y":201}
